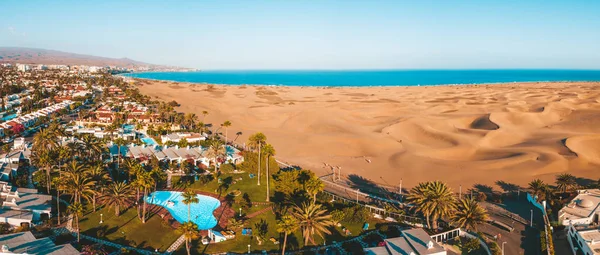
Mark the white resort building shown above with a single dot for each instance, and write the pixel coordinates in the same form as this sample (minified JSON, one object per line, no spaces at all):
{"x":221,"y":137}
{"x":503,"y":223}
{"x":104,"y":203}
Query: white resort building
{"x":21,"y":206}
{"x":24,"y":243}
{"x":411,"y":242}
{"x":189,"y":137}
{"x":581,"y":218}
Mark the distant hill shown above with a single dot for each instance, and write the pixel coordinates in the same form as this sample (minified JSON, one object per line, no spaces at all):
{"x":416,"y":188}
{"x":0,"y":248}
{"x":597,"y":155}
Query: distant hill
{"x":53,"y":57}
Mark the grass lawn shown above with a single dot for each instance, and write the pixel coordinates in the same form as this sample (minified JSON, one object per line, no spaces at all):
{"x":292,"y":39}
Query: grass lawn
{"x":127,"y":229}
{"x":295,"y":241}
{"x":246,"y":185}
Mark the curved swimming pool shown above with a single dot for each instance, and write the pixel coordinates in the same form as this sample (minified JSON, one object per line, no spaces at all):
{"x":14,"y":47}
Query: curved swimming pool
{"x":201,"y":212}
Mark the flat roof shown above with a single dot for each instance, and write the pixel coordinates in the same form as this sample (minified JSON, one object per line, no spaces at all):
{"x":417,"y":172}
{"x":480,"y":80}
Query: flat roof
{"x":592,"y":238}
{"x":582,"y":206}
{"x":16,"y":214}
{"x":25,"y":242}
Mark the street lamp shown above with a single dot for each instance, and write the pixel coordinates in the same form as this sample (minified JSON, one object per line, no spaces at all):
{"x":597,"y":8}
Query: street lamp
{"x":240,"y":212}
{"x":503,"y":247}
{"x":531,"y":220}
{"x":248,"y":249}
{"x":101,"y":221}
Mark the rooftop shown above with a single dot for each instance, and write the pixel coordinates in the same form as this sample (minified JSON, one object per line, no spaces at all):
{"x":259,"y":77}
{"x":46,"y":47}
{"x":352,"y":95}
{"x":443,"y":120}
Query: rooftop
{"x":592,"y":238}
{"x":25,"y":243}
{"x":582,"y":206}
{"x":411,"y":241}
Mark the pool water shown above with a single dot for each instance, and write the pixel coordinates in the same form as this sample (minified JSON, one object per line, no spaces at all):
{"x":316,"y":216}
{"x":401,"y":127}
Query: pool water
{"x":9,"y":117}
{"x":148,"y":141}
{"x":201,"y":212}
{"x":128,"y":127}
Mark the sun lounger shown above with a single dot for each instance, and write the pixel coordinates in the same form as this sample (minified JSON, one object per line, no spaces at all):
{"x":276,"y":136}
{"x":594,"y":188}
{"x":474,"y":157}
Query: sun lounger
{"x":272,"y":239}
{"x":390,"y":219}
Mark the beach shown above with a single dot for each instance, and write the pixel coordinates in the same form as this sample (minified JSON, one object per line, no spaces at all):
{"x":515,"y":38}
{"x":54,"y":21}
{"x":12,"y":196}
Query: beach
{"x":460,"y":134}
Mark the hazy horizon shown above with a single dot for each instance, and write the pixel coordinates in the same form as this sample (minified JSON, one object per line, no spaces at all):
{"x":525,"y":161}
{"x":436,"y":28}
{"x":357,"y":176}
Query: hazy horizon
{"x":325,"y":35}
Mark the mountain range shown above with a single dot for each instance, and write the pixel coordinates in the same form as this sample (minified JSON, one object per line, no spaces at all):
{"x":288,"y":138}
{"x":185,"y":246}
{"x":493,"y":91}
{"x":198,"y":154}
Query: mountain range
{"x":53,"y":57}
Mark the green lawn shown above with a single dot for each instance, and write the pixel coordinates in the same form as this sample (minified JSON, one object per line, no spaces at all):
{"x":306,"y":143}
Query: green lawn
{"x":246,"y":185}
{"x":127,"y":229}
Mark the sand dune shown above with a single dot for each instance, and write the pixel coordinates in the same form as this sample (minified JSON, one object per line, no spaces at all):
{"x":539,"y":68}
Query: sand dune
{"x":460,"y":134}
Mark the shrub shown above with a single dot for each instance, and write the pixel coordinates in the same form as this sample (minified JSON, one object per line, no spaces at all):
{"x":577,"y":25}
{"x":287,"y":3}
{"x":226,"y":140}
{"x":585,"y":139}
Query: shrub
{"x":494,"y":248}
{"x":355,"y":214}
{"x":470,"y":245}
{"x":338,"y":216}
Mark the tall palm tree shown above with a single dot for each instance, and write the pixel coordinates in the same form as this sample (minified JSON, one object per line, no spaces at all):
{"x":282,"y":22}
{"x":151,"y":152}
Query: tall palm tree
{"x":256,"y":141}
{"x":189,"y":198}
{"x":43,"y":159}
{"x":190,"y":232}
{"x":45,"y":139}
{"x":60,"y":185}
{"x":313,"y":186}
{"x":434,"y":199}
{"x":80,"y":186}
{"x":538,"y":188}
{"x":564,"y":182}
{"x":269,"y":151}
{"x":92,"y":145}
{"x":286,"y":225}
{"x":216,"y":149}
{"x":118,"y":195}
{"x":204,"y":113}
{"x":469,"y":214}
{"x":146,"y":182}
{"x":119,"y":142}
{"x":226,"y":125}
{"x":312,"y":220}
{"x":101,"y":178}
{"x":76,"y":209}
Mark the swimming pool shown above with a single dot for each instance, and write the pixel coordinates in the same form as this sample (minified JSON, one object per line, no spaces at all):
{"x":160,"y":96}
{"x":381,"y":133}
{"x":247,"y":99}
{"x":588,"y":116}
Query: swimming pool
{"x":9,"y":117}
{"x":201,"y":212}
{"x":148,"y":141}
{"x":128,"y":127}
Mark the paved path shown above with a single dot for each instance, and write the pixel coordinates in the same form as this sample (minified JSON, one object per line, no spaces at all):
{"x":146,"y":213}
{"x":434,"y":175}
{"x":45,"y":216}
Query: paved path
{"x":254,"y":214}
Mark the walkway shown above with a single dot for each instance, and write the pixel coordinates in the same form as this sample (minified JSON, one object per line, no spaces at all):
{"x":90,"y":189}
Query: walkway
{"x":254,"y":214}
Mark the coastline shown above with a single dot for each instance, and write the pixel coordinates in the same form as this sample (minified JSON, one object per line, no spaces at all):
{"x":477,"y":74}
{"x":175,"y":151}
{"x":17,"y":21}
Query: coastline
{"x":412,"y":133}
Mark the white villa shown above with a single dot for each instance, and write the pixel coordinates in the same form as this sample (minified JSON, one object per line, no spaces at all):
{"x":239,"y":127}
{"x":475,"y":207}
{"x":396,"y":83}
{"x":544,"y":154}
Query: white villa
{"x":412,"y":241}
{"x":24,"y":243}
{"x":21,"y":206}
{"x":189,"y":137}
{"x":582,"y":210}
{"x":173,"y":154}
{"x":29,"y":119}
{"x":99,"y":132}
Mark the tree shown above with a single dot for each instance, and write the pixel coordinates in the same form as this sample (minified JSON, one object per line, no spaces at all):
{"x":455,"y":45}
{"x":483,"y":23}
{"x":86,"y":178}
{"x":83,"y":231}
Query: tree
{"x":189,"y":197}
{"x":100,"y":177}
{"x":312,"y":220}
{"x":204,"y":113}
{"x":269,"y":151}
{"x":76,"y":209}
{"x":234,"y":223}
{"x":565,"y":182}
{"x":313,"y":187}
{"x":434,"y":199}
{"x":190,"y":232}
{"x":118,"y":195}
{"x":146,"y":182}
{"x":226,"y":125}
{"x":256,"y":141}
{"x":60,"y":185}
{"x":79,"y":184}
{"x":119,"y":142}
{"x":215,"y":149}
{"x":469,"y":214}
{"x":538,"y":188}
{"x":43,"y":158}
{"x":286,"y":225}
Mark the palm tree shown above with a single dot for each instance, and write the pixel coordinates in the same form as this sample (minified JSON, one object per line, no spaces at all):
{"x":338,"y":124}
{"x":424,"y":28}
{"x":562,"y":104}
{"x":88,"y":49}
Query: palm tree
{"x":269,"y":151}
{"x":312,"y":220}
{"x":189,"y":197}
{"x":565,"y":181}
{"x":43,"y":158}
{"x":146,"y":182}
{"x":313,"y":187}
{"x":119,"y":142}
{"x":45,"y":139}
{"x":118,"y":195}
{"x":100,"y":177}
{"x":469,"y":214}
{"x":79,"y":185}
{"x":190,"y":232}
{"x":434,"y":199}
{"x":226,"y":125}
{"x":256,"y":141}
{"x":286,"y":225}
{"x":60,"y":185}
{"x":538,"y":188}
{"x":216,"y":149}
{"x":76,"y":209}
{"x":92,"y":145}
{"x":204,"y":113}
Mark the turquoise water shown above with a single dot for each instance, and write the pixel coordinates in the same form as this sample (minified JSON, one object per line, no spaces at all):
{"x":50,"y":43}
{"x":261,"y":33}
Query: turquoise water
{"x":201,"y":213}
{"x":372,"y":78}
{"x":148,"y":141}
{"x":128,"y":127}
{"x":9,"y":117}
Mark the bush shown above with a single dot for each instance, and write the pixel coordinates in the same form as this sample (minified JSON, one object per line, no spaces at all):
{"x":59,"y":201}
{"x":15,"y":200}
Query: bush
{"x":470,"y":245}
{"x":356,"y":214}
{"x":338,"y":216}
{"x":494,"y":248}
{"x":227,"y":168}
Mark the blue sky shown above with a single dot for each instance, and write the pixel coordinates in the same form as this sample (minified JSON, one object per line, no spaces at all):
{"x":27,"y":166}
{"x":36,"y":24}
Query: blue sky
{"x":315,"y":34}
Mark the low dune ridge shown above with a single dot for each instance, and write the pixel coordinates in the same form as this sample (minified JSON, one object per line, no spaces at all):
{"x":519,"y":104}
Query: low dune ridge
{"x":464,"y":135}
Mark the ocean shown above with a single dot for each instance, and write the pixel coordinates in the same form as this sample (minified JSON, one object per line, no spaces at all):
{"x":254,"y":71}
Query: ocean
{"x":372,"y":78}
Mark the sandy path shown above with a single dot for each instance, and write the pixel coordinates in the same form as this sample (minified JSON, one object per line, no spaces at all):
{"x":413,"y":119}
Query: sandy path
{"x":460,"y":134}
